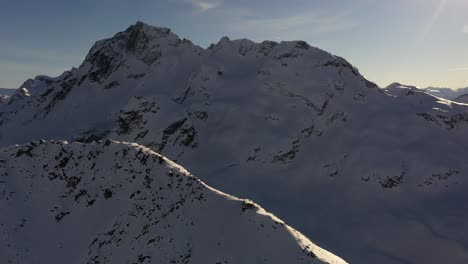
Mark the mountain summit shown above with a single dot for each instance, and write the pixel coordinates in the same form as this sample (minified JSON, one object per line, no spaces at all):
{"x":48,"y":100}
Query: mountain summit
{"x":291,"y":126}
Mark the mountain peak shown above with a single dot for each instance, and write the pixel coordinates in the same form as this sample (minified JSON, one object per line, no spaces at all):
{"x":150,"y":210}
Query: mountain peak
{"x":462,"y":99}
{"x":141,"y":32}
{"x":144,"y":42}
{"x":136,"y":38}
{"x":397,"y":85}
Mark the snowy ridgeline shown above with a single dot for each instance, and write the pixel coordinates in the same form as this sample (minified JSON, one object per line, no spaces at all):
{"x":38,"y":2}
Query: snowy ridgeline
{"x":5,"y":94}
{"x":446,"y":93}
{"x":459,"y":96}
{"x":375,"y":175}
{"x":462,"y":99}
{"x":116,"y":202}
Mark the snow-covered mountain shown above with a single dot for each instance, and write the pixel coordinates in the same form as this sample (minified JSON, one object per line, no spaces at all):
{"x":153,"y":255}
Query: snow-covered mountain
{"x":376,"y":177}
{"x":446,"y":93}
{"x":5,"y":94}
{"x":398,"y":89}
{"x":4,"y":99}
{"x":462,"y":99}
{"x":7,"y":91}
{"x":116,"y":202}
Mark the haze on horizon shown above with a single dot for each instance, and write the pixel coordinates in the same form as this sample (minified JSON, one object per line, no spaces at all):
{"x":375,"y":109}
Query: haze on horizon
{"x":417,"y":42}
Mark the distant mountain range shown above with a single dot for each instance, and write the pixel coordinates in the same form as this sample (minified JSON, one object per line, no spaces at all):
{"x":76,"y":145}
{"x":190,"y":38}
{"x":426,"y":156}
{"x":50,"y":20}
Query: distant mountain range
{"x":446,"y":93}
{"x":462,"y":99}
{"x":7,"y":91}
{"x":5,"y":94}
{"x":375,"y":175}
{"x":459,"y":95}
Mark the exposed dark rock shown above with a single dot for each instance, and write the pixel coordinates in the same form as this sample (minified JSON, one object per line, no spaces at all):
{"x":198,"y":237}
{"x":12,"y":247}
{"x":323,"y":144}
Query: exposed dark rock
{"x":112,"y":85}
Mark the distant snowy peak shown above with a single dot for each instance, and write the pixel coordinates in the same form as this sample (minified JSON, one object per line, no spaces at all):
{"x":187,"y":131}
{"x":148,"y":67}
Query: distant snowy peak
{"x":5,"y":94}
{"x":462,"y":99}
{"x":446,"y":93}
{"x":398,"y":89}
{"x":436,"y":109}
{"x":409,"y":92}
{"x":397,"y":85}
{"x":402,"y":90}
{"x":114,"y":202}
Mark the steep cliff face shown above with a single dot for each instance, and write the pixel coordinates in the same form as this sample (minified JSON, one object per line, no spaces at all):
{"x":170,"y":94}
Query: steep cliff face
{"x":116,"y":202}
{"x":293,"y":127}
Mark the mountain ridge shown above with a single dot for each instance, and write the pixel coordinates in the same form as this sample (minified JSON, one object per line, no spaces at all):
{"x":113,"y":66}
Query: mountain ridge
{"x":129,"y":203}
{"x":462,"y":99}
{"x":5,"y":94}
{"x":446,"y":93}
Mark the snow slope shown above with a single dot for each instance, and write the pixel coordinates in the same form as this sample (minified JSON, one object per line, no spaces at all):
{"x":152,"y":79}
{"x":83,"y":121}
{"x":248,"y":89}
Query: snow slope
{"x":5,"y":94}
{"x":117,"y":202}
{"x":462,"y":99}
{"x":376,"y":177}
{"x":446,"y":93}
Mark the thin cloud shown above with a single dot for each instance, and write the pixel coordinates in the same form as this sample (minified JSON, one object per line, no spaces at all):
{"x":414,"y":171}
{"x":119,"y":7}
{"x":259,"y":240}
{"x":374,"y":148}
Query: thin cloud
{"x":459,"y":69}
{"x":465,"y":29}
{"x":435,"y":16}
{"x":205,"y":5}
{"x":298,"y":24}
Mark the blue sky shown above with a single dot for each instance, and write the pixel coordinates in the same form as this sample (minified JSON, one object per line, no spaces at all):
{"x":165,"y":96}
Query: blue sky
{"x":420,"y":42}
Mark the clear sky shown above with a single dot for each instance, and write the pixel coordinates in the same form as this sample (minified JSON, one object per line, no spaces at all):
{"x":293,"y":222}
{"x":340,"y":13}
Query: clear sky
{"x":419,"y":42}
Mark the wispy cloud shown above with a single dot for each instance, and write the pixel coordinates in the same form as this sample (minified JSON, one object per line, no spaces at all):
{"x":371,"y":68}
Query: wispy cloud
{"x":296,"y":25}
{"x":435,"y":16}
{"x":205,"y":5}
{"x":465,"y":29}
{"x":459,"y":69}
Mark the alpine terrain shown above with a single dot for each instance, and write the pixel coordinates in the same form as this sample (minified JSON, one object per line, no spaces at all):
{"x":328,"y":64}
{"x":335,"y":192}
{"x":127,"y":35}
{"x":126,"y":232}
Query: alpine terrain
{"x":462,"y":98}
{"x":116,"y":202}
{"x":446,"y":93}
{"x":5,"y":94}
{"x":374,"y":175}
